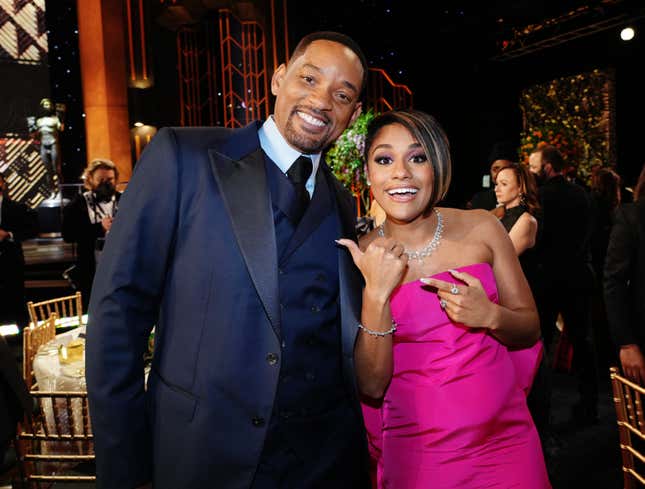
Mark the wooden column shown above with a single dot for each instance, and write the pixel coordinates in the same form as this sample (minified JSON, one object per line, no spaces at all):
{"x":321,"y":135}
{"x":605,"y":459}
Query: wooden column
{"x":101,"y":29}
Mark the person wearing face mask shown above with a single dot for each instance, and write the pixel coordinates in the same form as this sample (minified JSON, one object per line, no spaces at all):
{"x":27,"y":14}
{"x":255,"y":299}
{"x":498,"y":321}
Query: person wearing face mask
{"x":88,"y":218}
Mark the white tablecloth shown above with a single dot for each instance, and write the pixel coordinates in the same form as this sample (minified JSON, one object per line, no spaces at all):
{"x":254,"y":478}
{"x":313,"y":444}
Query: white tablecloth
{"x":50,"y":374}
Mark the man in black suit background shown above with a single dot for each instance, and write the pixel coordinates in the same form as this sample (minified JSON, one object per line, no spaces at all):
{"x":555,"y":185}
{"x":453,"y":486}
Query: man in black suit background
{"x":17,"y":223}
{"x":624,"y":283}
{"x":566,"y":288}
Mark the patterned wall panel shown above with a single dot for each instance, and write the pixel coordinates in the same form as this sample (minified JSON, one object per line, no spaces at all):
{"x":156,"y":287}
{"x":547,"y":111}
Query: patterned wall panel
{"x":383,"y":94}
{"x":244,"y":70}
{"x":197,"y":78}
{"x":27,"y":176}
{"x":23,"y":34}
{"x":23,"y":41}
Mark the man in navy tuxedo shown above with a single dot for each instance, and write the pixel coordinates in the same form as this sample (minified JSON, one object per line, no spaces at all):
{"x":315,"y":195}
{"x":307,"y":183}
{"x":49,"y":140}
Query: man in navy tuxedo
{"x":230,"y":252}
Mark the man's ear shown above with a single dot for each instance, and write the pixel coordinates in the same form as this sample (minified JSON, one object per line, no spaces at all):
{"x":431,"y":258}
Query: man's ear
{"x":357,"y":111}
{"x":277,"y":78}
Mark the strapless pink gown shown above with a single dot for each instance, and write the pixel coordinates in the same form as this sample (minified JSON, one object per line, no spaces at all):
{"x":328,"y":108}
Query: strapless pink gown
{"x":455,"y":413}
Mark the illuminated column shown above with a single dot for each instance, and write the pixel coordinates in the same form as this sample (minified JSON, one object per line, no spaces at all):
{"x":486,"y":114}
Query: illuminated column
{"x":102,"y":49}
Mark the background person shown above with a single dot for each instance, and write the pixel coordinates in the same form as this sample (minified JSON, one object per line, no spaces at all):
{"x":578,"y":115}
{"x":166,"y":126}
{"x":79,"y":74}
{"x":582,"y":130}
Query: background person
{"x":566,"y":272}
{"x":624,"y":283}
{"x":444,"y":299}
{"x":88,"y":218}
{"x":15,"y":400}
{"x":516,"y":190}
{"x":18,"y":223}
{"x":605,"y":199}
{"x":225,"y":240}
{"x":501,"y":156}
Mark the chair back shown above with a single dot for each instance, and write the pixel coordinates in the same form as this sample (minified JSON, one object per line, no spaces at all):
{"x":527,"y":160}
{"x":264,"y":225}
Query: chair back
{"x":56,"y":443}
{"x":628,"y":399}
{"x":64,"y":307}
{"x":33,"y":337}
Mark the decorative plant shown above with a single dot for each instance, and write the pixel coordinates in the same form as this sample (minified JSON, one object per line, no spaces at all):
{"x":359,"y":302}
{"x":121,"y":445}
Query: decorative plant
{"x":345,"y":158}
{"x":573,"y":114}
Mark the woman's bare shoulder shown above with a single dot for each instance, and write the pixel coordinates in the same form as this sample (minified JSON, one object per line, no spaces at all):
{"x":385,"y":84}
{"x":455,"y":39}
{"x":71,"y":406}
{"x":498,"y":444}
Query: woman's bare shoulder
{"x":469,"y":217}
{"x":528,"y":218}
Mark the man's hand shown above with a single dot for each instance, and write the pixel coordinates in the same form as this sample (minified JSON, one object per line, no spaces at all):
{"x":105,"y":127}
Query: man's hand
{"x":4,"y":234}
{"x":106,"y":222}
{"x":633,"y":363}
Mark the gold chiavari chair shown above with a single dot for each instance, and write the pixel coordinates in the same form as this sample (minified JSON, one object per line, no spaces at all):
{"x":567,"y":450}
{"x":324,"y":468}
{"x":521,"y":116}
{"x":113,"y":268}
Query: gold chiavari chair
{"x":64,"y":307}
{"x":56,"y":443}
{"x":628,"y":401}
{"x":33,"y":337}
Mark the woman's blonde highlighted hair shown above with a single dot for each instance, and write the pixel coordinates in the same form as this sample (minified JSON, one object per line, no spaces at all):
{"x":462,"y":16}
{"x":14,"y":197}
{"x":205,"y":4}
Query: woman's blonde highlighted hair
{"x":95,"y":164}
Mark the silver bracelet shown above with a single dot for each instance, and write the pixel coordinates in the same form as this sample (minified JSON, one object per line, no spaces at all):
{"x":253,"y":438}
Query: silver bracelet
{"x":379,"y":333}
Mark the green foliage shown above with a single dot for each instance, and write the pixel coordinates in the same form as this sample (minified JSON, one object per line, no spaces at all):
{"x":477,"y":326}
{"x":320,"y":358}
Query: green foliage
{"x":345,"y":157}
{"x":573,"y":114}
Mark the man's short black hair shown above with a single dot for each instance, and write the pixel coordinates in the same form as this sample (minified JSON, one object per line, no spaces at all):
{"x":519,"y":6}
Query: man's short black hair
{"x":502,"y":150}
{"x":334,"y":37}
{"x":551,"y":154}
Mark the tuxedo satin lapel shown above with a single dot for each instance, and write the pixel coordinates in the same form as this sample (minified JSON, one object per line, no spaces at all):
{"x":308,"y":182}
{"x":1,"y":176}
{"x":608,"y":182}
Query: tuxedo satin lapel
{"x":351,"y":286}
{"x":351,"y":290}
{"x":245,"y":191}
{"x":345,"y":204}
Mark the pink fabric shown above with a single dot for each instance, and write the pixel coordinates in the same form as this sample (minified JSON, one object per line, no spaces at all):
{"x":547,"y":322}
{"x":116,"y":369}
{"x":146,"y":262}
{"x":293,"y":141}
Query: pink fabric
{"x":455,"y":413}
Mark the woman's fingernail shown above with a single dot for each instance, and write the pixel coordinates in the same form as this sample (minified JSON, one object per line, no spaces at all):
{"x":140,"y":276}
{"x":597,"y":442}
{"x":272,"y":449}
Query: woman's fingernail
{"x":452,"y":270}
{"x":425,"y":280}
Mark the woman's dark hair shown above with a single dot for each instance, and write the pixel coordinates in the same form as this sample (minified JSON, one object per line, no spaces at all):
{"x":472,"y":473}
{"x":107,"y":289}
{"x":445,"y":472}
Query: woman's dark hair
{"x":528,"y":188}
{"x":606,"y":185}
{"x":432,"y":138}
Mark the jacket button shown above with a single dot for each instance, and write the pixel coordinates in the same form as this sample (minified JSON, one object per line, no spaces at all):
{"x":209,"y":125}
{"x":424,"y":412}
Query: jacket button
{"x":272,"y":358}
{"x":257,"y":421}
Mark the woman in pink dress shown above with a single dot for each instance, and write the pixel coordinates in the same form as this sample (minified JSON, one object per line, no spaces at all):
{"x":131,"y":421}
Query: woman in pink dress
{"x":448,"y":341}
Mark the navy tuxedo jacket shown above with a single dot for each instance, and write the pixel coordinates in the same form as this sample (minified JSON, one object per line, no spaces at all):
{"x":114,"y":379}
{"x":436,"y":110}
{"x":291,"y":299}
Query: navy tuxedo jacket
{"x":193,"y":251}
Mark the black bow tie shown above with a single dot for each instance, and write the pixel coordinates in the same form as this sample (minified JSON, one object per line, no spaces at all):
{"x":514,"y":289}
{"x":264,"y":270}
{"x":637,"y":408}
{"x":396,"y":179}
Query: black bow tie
{"x":299,"y":173}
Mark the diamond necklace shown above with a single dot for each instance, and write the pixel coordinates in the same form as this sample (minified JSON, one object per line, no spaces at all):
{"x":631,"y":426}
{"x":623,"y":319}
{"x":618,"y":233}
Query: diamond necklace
{"x":427,"y":250}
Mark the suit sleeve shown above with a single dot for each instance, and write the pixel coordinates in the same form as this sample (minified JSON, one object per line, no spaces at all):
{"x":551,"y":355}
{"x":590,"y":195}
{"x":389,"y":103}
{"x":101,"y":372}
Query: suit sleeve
{"x":619,"y":263}
{"x":124,"y":306}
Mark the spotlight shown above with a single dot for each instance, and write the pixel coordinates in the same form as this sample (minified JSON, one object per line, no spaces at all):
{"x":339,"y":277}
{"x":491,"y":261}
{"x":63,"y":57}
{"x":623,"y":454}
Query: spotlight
{"x":627,"y":34}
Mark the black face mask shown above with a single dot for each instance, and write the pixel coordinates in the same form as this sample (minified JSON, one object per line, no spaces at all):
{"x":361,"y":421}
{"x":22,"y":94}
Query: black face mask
{"x":104,"y":192}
